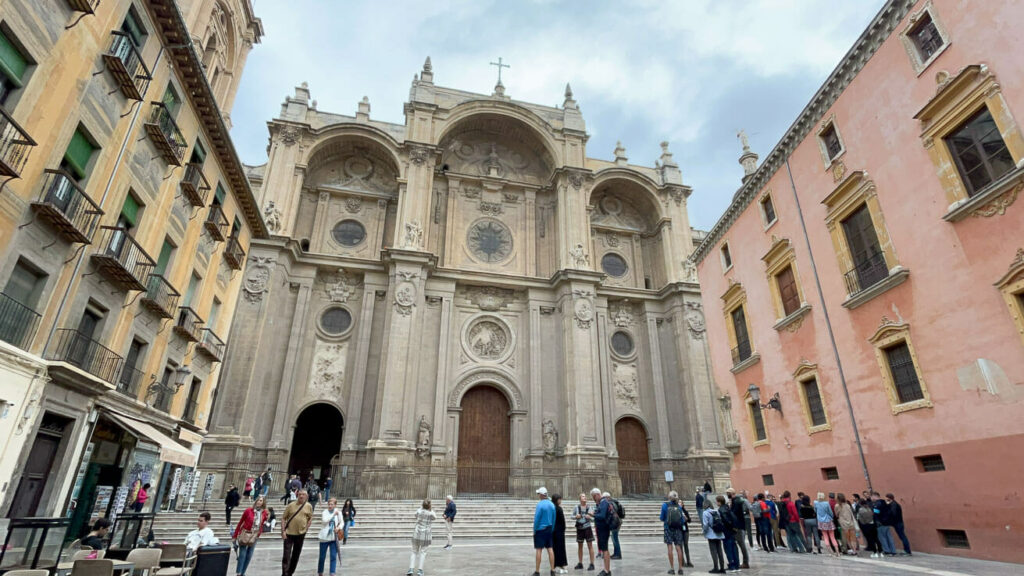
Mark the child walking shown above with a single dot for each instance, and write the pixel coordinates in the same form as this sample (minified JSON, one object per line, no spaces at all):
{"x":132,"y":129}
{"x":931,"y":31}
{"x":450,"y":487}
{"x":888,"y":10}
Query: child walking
{"x":421,"y":538}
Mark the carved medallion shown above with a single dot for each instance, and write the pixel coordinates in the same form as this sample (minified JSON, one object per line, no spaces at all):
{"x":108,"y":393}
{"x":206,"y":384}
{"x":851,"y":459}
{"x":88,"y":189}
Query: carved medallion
{"x":583,"y":309}
{"x":256,"y":278}
{"x":488,"y":339}
{"x":405,"y":297}
{"x":489,"y":241}
{"x":695,"y":320}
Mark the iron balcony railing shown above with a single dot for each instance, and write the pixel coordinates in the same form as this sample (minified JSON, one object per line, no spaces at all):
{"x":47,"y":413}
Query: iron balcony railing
{"x":129,"y":380}
{"x":67,"y":207}
{"x":189,"y":326}
{"x":79,"y":350}
{"x":122,"y":259}
{"x":125,"y":64}
{"x":866,"y":273}
{"x":233,"y":253}
{"x":191,"y":411}
{"x":87,"y":6}
{"x":18,"y":323}
{"x":211,"y":345}
{"x":166,"y":135}
{"x":194,"y":185}
{"x":161,"y":298}
{"x":741,"y":352}
{"x":164,"y":395}
{"x":216,"y":222}
{"x":15,"y":146}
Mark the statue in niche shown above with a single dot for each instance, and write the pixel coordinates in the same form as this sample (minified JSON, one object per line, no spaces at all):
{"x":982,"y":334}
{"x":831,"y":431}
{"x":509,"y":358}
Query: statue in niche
{"x":732,"y":438}
{"x":413,"y":234}
{"x":272,"y":216}
{"x":550,"y":438}
{"x":580,"y":259}
{"x":423,"y":437}
{"x":689,"y":271}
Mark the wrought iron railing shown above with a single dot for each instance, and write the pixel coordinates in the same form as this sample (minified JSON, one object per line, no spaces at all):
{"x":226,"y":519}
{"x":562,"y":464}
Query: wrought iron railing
{"x":126,"y":64}
{"x":194,"y":184}
{"x":741,"y":352}
{"x":166,"y":135}
{"x":123,"y":259}
{"x":129,"y":380}
{"x":161,"y":298}
{"x":216,"y":222}
{"x":18,"y":323}
{"x":66,"y":206}
{"x":191,"y":411}
{"x":233,"y":253}
{"x":189,"y":326}
{"x":15,"y":145}
{"x":79,"y":350}
{"x":866,"y":273}
{"x":211,"y":345}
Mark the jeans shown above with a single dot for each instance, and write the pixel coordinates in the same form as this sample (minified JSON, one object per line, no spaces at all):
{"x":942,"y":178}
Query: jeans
{"x":292,"y":549}
{"x":328,"y":548}
{"x":901,"y":532}
{"x":794,"y":539}
{"x":686,"y":545}
{"x":348,"y":525}
{"x":615,"y":543}
{"x":244,"y":557}
{"x":811,"y":533}
{"x":885,"y":537}
{"x":730,"y":552}
{"x":765,"y":537}
{"x":742,"y":543}
{"x":227,"y":512}
{"x":750,"y":533}
{"x":870,"y":532}
{"x":716,"y":554}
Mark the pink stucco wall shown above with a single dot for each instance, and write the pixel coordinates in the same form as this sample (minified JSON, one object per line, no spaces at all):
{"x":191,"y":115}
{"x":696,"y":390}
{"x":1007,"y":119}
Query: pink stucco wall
{"x":956,"y":315}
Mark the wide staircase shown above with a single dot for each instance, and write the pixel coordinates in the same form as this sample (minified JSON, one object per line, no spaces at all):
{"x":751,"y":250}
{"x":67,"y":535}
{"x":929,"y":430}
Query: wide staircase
{"x":478,"y":517}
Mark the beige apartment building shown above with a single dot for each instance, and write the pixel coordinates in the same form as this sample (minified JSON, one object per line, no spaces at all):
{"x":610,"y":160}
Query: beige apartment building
{"x":125,"y":220}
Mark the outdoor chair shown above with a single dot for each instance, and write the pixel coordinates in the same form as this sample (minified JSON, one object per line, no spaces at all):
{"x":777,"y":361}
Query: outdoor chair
{"x":27,"y":573}
{"x":176,"y":559}
{"x":147,"y":559}
{"x":84,"y":554}
{"x":93,"y":568}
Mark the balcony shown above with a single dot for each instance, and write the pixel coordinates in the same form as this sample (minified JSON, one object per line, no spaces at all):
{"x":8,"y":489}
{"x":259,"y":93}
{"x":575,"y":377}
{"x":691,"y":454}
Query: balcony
{"x":67,"y":208}
{"x":191,"y":411}
{"x":189,"y":325}
{"x":210,"y":345}
{"x":216,"y":223}
{"x":79,"y":350}
{"x":161,"y":298}
{"x":122,"y":260}
{"x":164,"y":395}
{"x":233,"y":253}
{"x":15,"y":145}
{"x":129,"y":380}
{"x":194,"y":185}
{"x":866,"y":273}
{"x":18,"y":323}
{"x":126,"y":65}
{"x":165,"y":134}
{"x":87,"y":6}
{"x":741,"y":352}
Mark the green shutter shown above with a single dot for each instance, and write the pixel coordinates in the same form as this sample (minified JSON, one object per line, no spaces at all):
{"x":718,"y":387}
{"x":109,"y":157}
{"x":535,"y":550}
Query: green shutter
{"x":236,"y":227}
{"x":165,"y":257}
{"x":198,"y":153}
{"x":134,"y":30}
{"x":191,"y":291}
{"x":12,"y":63}
{"x":218,"y":195}
{"x":171,"y":100}
{"x":130,"y":211}
{"x":78,"y":153}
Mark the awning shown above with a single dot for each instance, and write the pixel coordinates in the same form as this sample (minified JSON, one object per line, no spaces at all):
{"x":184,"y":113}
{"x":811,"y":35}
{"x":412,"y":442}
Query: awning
{"x":170,"y":451}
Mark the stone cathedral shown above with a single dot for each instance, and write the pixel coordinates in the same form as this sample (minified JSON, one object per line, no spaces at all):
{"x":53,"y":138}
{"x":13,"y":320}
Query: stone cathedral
{"x":467,"y":303}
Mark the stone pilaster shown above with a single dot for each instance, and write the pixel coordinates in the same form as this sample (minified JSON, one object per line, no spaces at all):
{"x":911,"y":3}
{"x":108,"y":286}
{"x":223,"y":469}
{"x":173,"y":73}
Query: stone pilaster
{"x":282,"y":418}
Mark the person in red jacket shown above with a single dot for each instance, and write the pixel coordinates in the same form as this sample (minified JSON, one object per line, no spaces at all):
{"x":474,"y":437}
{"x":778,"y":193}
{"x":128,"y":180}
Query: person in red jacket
{"x":794,"y":536}
{"x":247,"y":532}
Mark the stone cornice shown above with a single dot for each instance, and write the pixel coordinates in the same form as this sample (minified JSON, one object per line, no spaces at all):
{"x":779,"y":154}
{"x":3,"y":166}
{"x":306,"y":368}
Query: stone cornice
{"x":856,"y":58}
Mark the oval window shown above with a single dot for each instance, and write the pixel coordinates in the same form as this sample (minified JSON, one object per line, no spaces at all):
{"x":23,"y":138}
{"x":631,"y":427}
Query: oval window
{"x":614,"y":265}
{"x":622,"y":343}
{"x":349,"y":233}
{"x":336,"y":321}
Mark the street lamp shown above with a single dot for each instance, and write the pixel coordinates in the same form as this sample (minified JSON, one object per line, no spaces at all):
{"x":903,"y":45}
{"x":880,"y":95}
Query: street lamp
{"x":774,"y":403}
{"x":181,"y":374}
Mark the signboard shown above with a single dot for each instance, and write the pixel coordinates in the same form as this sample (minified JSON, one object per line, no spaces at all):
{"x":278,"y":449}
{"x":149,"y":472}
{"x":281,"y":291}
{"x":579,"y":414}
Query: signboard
{"x":103,"y":495}
{"x":176,"y":482}
{"x":120,"y":499}
{"x":669,"y":476}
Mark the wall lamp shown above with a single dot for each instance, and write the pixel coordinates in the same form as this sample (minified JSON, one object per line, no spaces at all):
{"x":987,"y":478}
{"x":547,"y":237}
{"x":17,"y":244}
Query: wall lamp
{"x":755,"y":394}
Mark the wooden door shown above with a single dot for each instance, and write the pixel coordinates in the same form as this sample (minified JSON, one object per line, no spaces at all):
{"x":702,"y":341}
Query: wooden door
{"x":634,"y":462}
{"x":33,"y":482}
{"x":485,"y":438}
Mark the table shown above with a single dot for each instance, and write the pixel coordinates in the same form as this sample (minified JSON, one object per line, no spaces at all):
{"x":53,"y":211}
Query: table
{"x":64,"y":568}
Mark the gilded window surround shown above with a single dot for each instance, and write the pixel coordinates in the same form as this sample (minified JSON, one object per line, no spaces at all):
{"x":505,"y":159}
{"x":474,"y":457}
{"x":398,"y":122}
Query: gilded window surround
{"x":1012,"y":287}
{"x":804,"y":372}
{"x":767,"y":196}
{"x":735,"y":297}
{"x":956,"y":100}
{"x":751,"y":406}
{"x":780,"y":256}
{"x":830,"y":121}
{"x":888,"y":334}
{"x":908,"y":42}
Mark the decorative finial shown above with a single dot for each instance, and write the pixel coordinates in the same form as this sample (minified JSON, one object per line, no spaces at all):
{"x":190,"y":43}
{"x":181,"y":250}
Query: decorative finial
{"x":620,"y":154}
{"x":499,"y":88}
{"x":748,"y":159}
{"x":305,"y":85}
{"x":568,"y":91}
{"x":569,"y":103}
{"x":427,"y":66}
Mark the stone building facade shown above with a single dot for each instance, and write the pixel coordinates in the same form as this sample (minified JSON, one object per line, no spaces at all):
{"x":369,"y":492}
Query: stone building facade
{"x":125,"y":217}
{"x":865,"y":288}
{"x":466,"y":303}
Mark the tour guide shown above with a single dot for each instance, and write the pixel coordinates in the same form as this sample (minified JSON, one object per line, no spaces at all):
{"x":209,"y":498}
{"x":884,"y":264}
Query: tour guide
{"x":544,"y":529}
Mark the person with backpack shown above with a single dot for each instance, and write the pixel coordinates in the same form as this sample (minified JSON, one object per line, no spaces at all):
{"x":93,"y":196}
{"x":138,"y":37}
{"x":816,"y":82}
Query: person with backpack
{"x":584,"y":515}
{"x":620,"y":515}
{"x":604,"y":521}
{"x":730,"y":524}
{"x":789,"y":518}
{"x":266,"y":478}
{"x":674,"y":528}
{"x":711,"y":525}
{"x":313,"y":489}
{"x":866,"y":521}
{"x":257,"y":488}
{"x":762,"y":521}
{"x":740,"y":510}
{"x":773,"y":521}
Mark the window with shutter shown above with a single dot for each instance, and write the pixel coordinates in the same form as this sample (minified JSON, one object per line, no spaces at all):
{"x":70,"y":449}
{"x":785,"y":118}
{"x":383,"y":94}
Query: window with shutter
{"x":171,"y":100}
{"x":768,"y":210}
{"x":904,"y":374}
{"x":78,"y":154}
{"x":198,"y":153}
{"x":165,"y":258}
{"x":132,"y":26}
{"x":13,"y":66}
{"x":830,"y":137}
{"x":25,"y":284}
{"x":926,"y":37}
{"x":788,"y":291}
{"x":129,"y":212}
{"x":757,"y":418}
{"x":219,"y":194}
{"x":739,"y":323}
{"x":814,"y":404}
{"x":190,"y":293}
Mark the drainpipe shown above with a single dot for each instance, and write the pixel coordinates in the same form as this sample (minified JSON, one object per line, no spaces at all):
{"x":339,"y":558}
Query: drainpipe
{"x":828,"y":327}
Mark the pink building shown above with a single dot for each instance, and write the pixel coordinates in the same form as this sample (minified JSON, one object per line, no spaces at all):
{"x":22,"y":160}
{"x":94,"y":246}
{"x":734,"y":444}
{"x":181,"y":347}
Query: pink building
{"x":864,"y":293}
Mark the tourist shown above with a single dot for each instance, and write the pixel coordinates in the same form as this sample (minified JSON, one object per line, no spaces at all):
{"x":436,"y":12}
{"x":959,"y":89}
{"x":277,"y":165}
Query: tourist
{"x":730,"y":524}
{"x":673,"y":521}
{"x":620,"y":515}
{"x":826,"y":523}
{"x":790,"y":518}
{"x":847,"y":523}
{"x":257,"y":487}
{"x":711,"y":525}
{"x":896,"y":516}
{"x":328,"y":536}
{"x":295,"y":523}
{"x":809,"y":519}
{"x":267,"y":478}
{"x":202,"y":535}
{"x":313,"y":489}
{"x":141,"y":497}
{"x":773,"y":521}
{"x":247,"y":492}
{"x":698,"y":497}
{"x":327,"y":488}
{"x":741,"y":511}
{"x":883,"y":518}
{"x":94,"y":539}
{"x":748,"y":516}
{"x":348,"y":514}
{"x":271,"y":521}
{"x":686,"y":533}
{"x":595,"y":495}
{"x":584,"y":515}
{"x":231,"y":502}
{"x":604,"y":520}
{"x":762,"y":514}
{"x":543,"y":530}
{"x":247,"y":532}
{"x":449,"y":520}
{"x":868,"y":527}
{"x":558,"y":538}
{"x":421,"y":537}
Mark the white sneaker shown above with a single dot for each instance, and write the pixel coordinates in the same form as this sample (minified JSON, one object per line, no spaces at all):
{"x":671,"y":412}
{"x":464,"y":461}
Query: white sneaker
{"x":874,"y":555}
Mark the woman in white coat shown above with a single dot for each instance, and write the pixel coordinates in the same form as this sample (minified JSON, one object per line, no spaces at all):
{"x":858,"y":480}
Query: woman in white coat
{"x":421,"y":538}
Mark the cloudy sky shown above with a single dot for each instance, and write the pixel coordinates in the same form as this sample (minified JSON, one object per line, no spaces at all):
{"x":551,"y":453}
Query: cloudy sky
{"x":692,"y":72}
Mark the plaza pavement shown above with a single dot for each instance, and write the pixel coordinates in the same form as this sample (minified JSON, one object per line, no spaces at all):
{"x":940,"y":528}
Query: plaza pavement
{"x":514,"y":557}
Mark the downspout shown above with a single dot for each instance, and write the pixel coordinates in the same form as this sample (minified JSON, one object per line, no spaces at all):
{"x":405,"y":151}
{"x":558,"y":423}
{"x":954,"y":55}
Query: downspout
{"x":828,"y":327}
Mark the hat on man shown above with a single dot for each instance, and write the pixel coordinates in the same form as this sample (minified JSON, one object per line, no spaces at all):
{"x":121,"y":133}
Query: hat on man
{"x":542,"y":490}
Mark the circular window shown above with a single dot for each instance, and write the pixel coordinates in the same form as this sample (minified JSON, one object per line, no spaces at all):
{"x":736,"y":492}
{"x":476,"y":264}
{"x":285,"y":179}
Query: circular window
{"x":349,"y":233}
{"x":336,"y":321}
{"x":490,"y":240}
{"x":614,"y":265}
{"x":622,"y":344}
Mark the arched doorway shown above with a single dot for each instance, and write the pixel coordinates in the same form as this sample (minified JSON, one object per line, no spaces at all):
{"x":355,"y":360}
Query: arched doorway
{"x":316,"y":440}
{"x":634,"y":461}
{"x":485,"y":439}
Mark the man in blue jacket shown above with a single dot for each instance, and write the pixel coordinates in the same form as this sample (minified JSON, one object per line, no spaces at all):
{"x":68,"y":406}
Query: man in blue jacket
{"x":603,"y":521}
{"x":449,"y":520}
{"x":544,"y":529}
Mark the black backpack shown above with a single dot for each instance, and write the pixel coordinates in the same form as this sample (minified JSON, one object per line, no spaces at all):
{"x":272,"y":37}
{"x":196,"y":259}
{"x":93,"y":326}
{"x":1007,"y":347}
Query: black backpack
{"x":619,"y":510}
{"x":674,"y":517}
{"x":613,"y":517}
{"x":716,"y":522}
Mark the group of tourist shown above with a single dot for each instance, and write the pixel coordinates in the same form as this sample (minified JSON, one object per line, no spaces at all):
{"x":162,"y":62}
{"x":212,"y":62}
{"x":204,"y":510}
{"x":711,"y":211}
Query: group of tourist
{"x":601,"y":515}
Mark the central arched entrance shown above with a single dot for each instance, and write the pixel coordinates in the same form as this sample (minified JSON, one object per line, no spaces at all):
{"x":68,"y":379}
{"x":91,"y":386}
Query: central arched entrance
{"x":316,"y":440}
{"x":634,"y":461}
{"x":485,"y":438}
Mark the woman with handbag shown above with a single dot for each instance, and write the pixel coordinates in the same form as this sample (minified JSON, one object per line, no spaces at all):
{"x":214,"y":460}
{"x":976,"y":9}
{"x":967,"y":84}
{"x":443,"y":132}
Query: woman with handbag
{"x":247,"y":532}
{"x":348,"y":514}
{"x":328,"y":536}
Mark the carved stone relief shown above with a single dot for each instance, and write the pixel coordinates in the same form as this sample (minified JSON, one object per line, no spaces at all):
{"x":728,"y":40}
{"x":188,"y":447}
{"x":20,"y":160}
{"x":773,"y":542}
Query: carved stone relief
{"x":583,"y":309}
{"x":627,"y":385}
{"x":339,"y":286}
{"x":413,"y":235}
{"x":423,"y":437}
{"x":695,"y":320}
{"x":257,"y":276}
{"x":353,"y":204}
{"x":580,"y":259}
{"x":328,"y":374}
{"x":488,"y":338}
{"x":272,"y":216}
{"x":550,"y":434}
{"x":489,"y":298}
{"x":622,"y":314}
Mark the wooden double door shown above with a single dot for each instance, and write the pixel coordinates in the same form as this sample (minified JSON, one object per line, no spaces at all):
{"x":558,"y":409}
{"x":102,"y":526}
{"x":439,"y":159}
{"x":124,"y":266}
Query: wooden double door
{"x":634,"y":460}
{"x":485,"y":442}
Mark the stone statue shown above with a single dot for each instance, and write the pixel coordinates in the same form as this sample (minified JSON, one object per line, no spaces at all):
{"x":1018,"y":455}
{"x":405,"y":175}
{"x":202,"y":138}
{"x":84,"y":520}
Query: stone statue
{"x":272,"y":216}
{"x":423,"y":437}
{"x":689,"y":271}
{"x":550,"y":438}
{"x":413,"y":234}
{"x":579,"y":257}
{"x":732,"y":438}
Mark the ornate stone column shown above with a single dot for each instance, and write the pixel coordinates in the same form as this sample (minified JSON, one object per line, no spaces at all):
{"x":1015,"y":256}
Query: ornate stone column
{"x":282,"y":419}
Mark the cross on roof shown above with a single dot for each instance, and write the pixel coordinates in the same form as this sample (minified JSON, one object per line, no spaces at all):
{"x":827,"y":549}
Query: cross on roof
{"x":500,"y":65}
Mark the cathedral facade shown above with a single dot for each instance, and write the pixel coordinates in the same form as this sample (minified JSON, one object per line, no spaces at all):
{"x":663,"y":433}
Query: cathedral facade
{"x":467,"y":303}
